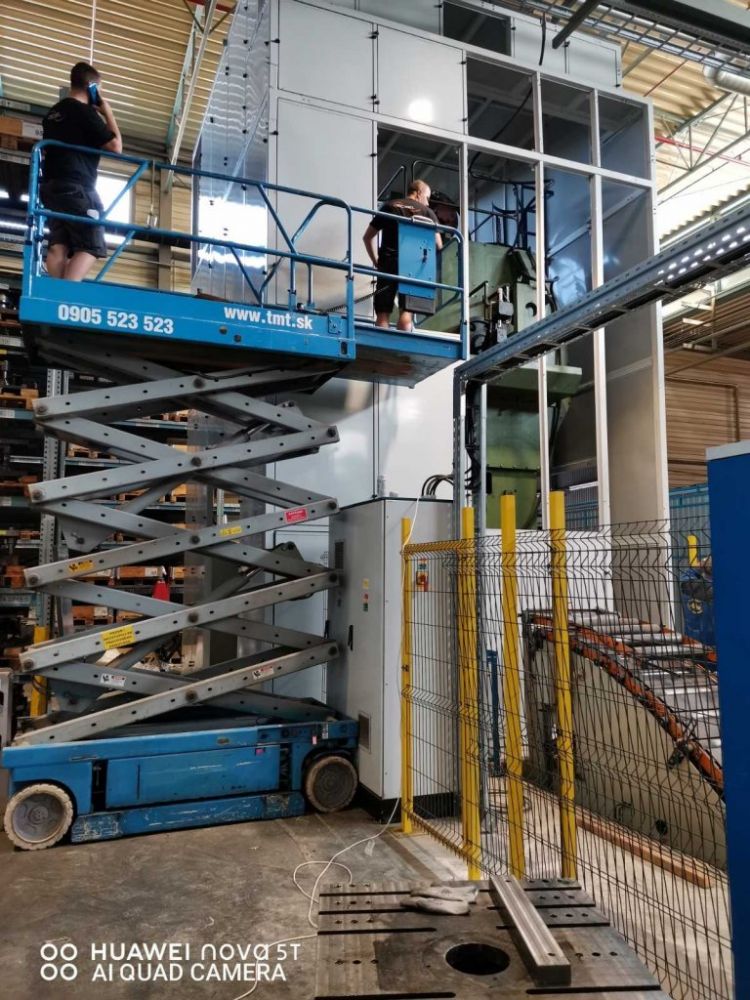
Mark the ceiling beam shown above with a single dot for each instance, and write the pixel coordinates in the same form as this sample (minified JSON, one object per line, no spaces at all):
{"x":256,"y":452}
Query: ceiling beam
{"x":575,"y":21}
{"x":195,"y":52}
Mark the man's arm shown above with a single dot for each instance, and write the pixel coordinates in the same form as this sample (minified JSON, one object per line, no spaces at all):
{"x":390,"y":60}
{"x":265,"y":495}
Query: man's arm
{"x":370,"y":240}
{"x":439,"y":241}
{"x":115,"y":144}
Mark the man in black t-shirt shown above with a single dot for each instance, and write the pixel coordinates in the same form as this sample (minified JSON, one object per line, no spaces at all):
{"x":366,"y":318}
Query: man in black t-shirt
{"x":414,"y":206}
{"x":83,"y":118}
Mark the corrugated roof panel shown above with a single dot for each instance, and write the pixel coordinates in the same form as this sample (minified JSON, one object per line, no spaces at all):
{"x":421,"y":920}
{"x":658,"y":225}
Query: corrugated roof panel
{"x":139,"y":47}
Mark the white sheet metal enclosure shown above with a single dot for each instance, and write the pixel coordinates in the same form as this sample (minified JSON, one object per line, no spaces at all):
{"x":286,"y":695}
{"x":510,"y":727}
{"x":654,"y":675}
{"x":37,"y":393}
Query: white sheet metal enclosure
{"x":307,"y":95}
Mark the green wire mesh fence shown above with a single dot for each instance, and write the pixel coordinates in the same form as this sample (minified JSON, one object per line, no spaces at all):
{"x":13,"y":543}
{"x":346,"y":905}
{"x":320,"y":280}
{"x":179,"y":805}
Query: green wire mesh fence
{"x":561,"y":719}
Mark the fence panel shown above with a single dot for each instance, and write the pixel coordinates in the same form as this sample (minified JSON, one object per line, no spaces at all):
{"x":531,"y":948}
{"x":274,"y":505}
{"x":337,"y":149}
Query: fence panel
{"x":589,"y":745}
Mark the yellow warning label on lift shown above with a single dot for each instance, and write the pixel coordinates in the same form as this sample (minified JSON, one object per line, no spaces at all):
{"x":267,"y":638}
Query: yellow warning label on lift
{"x":231,"y":529}
{"x":81,"y":566}
{"x":115,"y":637}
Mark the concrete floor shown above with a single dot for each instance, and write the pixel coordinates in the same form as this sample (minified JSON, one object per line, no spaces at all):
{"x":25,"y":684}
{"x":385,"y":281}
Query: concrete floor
{"x":222,"y":885}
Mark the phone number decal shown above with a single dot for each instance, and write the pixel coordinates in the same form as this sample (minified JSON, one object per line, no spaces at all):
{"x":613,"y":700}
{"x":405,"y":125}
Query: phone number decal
{"x":116,"y":319}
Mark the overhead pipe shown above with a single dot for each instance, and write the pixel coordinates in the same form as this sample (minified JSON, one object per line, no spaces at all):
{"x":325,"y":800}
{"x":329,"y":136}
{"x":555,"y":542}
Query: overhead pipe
{"x":725,"y":79}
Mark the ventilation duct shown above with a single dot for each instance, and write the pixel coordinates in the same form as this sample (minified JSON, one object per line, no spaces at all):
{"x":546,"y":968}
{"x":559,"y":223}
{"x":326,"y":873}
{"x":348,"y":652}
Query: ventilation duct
{"x":726,"y":80}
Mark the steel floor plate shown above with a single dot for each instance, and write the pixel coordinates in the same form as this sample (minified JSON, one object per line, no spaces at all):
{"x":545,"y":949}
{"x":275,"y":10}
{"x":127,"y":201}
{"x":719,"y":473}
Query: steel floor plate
{"x":370,"y":947}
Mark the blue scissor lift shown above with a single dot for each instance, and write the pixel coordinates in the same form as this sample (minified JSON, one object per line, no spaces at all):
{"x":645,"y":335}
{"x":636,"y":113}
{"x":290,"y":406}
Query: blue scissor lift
{"x":130,"y":749}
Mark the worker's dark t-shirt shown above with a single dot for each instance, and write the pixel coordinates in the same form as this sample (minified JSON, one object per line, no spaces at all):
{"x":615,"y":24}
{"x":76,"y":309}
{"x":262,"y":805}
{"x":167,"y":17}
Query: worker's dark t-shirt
{"x":79,"y":124}
{"x":408,"y":208}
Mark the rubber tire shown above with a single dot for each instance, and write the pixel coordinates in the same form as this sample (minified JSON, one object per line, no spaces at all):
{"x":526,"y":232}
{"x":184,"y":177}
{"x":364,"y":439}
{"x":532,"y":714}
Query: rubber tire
{"x":66,"y":807}
{"x":317,"y":772}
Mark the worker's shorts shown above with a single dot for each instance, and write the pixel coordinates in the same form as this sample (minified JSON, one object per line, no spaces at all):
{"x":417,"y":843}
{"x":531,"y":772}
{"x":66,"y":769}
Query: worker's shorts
{"x":385,"y":290}
{"x":61,"y":196}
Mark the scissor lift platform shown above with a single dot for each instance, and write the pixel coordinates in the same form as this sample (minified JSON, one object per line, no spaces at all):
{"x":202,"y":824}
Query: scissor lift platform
{"x":223,"y":748}
{"x":203,"y":338}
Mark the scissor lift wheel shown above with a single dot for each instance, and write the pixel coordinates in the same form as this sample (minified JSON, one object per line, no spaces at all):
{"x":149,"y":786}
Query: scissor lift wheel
{"x":330,"y":783}
{"x":38,"y":816}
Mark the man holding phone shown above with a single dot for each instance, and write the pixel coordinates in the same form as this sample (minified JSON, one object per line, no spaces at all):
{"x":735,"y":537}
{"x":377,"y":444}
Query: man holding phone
{"x":83,"y":118}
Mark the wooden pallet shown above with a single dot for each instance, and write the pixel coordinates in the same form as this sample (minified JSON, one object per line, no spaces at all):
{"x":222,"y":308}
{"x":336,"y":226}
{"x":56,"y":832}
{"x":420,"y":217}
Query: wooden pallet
{"x":17,"y":400}
{"x":11,"y":575}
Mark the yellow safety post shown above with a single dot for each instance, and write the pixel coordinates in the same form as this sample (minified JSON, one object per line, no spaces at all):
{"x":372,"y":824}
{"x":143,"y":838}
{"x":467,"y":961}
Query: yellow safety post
{"x":512,"y":686}
{"x":468,"y":685}
{"x":39,"y":691}
{"x":692,"y":547}
{"x":407,"y":789}
{"x":563,"y":694}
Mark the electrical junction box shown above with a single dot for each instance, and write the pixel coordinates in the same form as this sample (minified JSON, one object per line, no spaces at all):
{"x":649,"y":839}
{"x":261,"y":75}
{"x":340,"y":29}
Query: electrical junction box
{"x":365,"y":619}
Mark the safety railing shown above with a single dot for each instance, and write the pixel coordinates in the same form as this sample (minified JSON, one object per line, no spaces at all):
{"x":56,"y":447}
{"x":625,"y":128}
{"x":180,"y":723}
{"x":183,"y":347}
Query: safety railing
{"x":288,"y":252}
{"x":558,"y":722}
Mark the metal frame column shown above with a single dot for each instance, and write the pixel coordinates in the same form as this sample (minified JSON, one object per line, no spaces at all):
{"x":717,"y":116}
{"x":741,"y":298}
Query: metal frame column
{"x":729,"y":489}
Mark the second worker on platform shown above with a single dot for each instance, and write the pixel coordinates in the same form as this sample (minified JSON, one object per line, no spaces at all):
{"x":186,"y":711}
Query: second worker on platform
{"x":416,"y":205}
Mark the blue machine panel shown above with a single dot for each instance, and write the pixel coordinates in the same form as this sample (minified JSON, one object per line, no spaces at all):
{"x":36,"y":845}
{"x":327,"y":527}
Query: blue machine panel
{"x":200,"y":775}
{"x":417,"y":258}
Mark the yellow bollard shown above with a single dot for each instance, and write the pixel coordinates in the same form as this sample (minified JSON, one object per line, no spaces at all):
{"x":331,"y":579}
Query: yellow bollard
{"x":407,"y":789}
{"x":39,"y":690}
{"x":468,"y":684}
{"x":563,"y":694}
{"x":512,"y":686}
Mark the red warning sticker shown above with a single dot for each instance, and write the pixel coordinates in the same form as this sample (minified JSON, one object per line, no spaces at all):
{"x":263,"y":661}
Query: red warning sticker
{"x":296,"y":515}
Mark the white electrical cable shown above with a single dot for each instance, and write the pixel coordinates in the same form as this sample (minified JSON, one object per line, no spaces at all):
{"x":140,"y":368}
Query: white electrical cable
{"x":343,"y":850}
{"x":300,"y":937}
{"x":332,"y":862}
{"x":305,"y":893}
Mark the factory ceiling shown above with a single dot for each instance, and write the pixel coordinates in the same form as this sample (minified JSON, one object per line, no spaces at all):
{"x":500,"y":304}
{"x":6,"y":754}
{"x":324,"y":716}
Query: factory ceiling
{"x":702,"y":130}
{"x":145,"y":49}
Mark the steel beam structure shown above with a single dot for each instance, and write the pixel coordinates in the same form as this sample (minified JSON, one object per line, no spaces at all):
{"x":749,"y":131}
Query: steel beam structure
{"x":713,"y":251}
{"x":709,"y":32}
{"x":97,"y":675}
{"x":189,"y":75}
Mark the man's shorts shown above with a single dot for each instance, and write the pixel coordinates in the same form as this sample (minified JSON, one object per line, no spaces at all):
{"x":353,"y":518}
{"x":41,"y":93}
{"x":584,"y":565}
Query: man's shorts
{"x":385,"y":290}
{"x":74,"y":200}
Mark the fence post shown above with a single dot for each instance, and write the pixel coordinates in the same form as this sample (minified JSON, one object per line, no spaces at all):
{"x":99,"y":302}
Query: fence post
{"x":512,"y":686}
{"x":692,"y":548}
{"x":728,"y":488}
{"x":468,"y":687}
{"x":407,"y":791}
{"x":563,"y":696}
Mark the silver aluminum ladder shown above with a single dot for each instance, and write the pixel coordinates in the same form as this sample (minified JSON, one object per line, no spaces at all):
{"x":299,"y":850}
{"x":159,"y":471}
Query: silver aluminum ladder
{"x":256,"y":431}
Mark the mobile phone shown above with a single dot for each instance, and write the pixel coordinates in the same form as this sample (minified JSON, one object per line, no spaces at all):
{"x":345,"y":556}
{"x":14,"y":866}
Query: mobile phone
{"x":94,"y":97}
